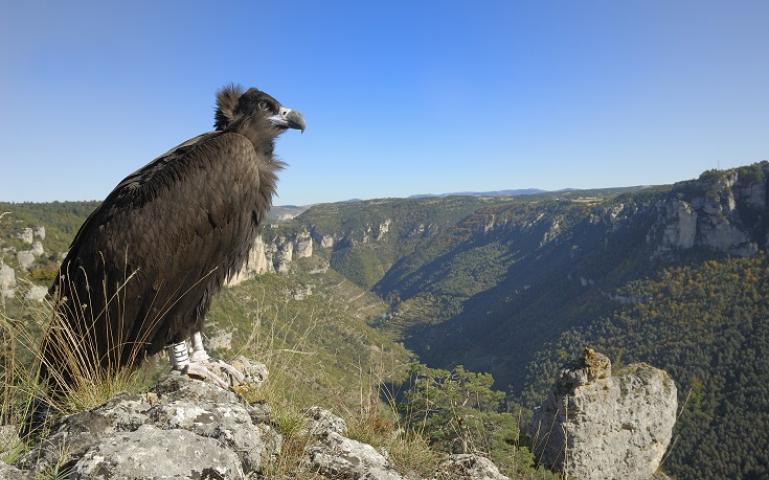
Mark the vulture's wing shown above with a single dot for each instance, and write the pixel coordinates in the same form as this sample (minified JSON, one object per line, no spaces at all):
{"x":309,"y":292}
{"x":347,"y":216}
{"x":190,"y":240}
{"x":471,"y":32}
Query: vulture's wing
{"x":172,"y":224}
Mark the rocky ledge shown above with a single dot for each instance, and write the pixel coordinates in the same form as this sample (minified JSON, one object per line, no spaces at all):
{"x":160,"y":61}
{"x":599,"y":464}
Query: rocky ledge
{"x":189,"y":429}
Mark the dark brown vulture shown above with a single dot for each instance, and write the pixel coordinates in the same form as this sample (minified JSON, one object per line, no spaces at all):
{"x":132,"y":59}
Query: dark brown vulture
{"x":142,"y":270}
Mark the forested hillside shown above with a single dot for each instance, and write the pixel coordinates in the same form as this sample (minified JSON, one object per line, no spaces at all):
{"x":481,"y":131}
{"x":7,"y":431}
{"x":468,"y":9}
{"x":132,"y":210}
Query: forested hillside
{"x":507,"y":288}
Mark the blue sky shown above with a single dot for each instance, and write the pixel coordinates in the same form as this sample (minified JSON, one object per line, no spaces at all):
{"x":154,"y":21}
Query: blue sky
{"x":400,"y":98}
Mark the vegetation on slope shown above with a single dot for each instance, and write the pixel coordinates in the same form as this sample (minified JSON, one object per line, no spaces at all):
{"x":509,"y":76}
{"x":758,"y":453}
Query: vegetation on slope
{"x":708,"y":326}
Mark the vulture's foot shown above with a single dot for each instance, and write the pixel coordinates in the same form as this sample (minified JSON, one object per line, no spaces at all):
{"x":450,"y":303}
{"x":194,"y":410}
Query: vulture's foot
{"x":216,"y":372}
{"x":196,"y":364}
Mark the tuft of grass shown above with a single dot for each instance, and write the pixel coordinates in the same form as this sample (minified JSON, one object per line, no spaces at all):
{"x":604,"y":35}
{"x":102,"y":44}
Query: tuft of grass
{"x":27,"y":329}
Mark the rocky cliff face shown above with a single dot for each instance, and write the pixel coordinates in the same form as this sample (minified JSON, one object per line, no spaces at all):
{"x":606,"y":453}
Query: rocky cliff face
{"x":724,"y":211}
{"x":276,"y":255}
{"x":598,"y":426}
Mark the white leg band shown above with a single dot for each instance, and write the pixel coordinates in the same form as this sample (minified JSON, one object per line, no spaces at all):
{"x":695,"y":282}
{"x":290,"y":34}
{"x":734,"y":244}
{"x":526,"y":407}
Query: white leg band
{"x":177,"y":353}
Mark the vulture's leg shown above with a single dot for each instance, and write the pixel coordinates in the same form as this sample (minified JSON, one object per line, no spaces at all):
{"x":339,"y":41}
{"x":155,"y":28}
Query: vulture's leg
{"x":215,"y":371}
{"x":198,"y":351}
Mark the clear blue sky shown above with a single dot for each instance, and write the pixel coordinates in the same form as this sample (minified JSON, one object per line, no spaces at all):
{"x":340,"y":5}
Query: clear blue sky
{"x":400,"y":97}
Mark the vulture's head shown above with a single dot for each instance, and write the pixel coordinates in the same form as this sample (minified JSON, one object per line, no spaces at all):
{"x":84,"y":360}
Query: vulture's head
{"x":235,"y":106}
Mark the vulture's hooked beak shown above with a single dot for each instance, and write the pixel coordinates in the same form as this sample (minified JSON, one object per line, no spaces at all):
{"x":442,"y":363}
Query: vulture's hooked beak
{"x":288,"y":118}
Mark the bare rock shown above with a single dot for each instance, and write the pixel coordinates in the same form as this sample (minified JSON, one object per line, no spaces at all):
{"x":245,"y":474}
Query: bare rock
{"x":681,"y":230}
{"x":383,"y":229}
{"x":259,"y":261}
{"x":468,"y":466}
{"x":256,"y":373}
{"x":39,"y":232}
{"x":9,"y":438}
{"x":183,"y":429}
{"x":9,"y":472}
{"x":597,"y":426}
{"x":327,"y":241}
{"x":36,"y":293}
{"x":284,"y":256}
{"x":37,"y":248}
{"x":26,"y":259}
{"x":336,"y":456}
{"x":303,"y":245}
{"x":151,"y":453}
{"x":7,"y":281}
{"x":321,"y":422}
{"x":26,"y":235}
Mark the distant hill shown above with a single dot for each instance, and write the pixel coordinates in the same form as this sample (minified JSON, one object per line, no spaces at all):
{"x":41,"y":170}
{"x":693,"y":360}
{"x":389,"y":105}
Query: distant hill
{"x":495,"y":193}
{"x":281,"y":213}
{"x":533,"y":191}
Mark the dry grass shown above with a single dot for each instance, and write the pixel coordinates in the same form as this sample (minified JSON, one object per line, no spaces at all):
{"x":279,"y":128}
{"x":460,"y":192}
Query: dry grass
{"x":75,"y":377}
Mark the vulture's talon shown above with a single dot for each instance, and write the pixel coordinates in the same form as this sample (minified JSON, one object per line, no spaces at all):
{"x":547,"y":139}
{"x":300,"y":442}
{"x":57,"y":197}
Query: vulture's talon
{"x":203,"y":371}
{"x":215,"y":371}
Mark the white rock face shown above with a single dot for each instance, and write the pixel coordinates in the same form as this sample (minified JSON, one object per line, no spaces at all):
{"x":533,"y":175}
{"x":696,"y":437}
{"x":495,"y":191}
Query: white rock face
{"x":284,"y":256}
{"x":720,"y":234}
{"x":384,"y":229}
{"x":36,"y":293}
{"x":256,"y":264}
{"x":303,"y":245}
{"x":327,"y":241}
{"x":7,"y":281}
{"x":26,"y":259}
{"x":26,"y":235}
{"x":715,"y":220}
{"x":597,"y":426}
{"x":552,"y":232}
{"x":37,"y":249}
{"x":275,"y":256}
{"x":39,"y":232}
{"x":682,"y":230}
{"x":755,"y":195}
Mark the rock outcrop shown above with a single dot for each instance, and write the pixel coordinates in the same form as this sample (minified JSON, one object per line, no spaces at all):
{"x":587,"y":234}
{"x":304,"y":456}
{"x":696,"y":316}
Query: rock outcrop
{"x":336,"y":456}
{"x":468,"y":466}
{"x":598,"y":426}
{"x":187,"y":428}
{"x":26,"y":259}
{"x":276,"y":255}
{"x":26,"y":235}
{"x":7,"y":281}
{"x":39,"y":232}
{"x":183,"y":429}
{"x":723,"y":211}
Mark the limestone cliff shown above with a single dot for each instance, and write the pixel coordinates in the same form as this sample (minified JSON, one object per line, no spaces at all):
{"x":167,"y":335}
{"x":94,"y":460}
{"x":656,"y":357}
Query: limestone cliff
{"x":275,"y":255}
{"x":596,"y":426}
{"x":722,"y":211}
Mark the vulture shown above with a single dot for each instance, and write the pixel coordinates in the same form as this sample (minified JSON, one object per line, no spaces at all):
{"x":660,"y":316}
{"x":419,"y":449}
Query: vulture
{"x":142,"y":270}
